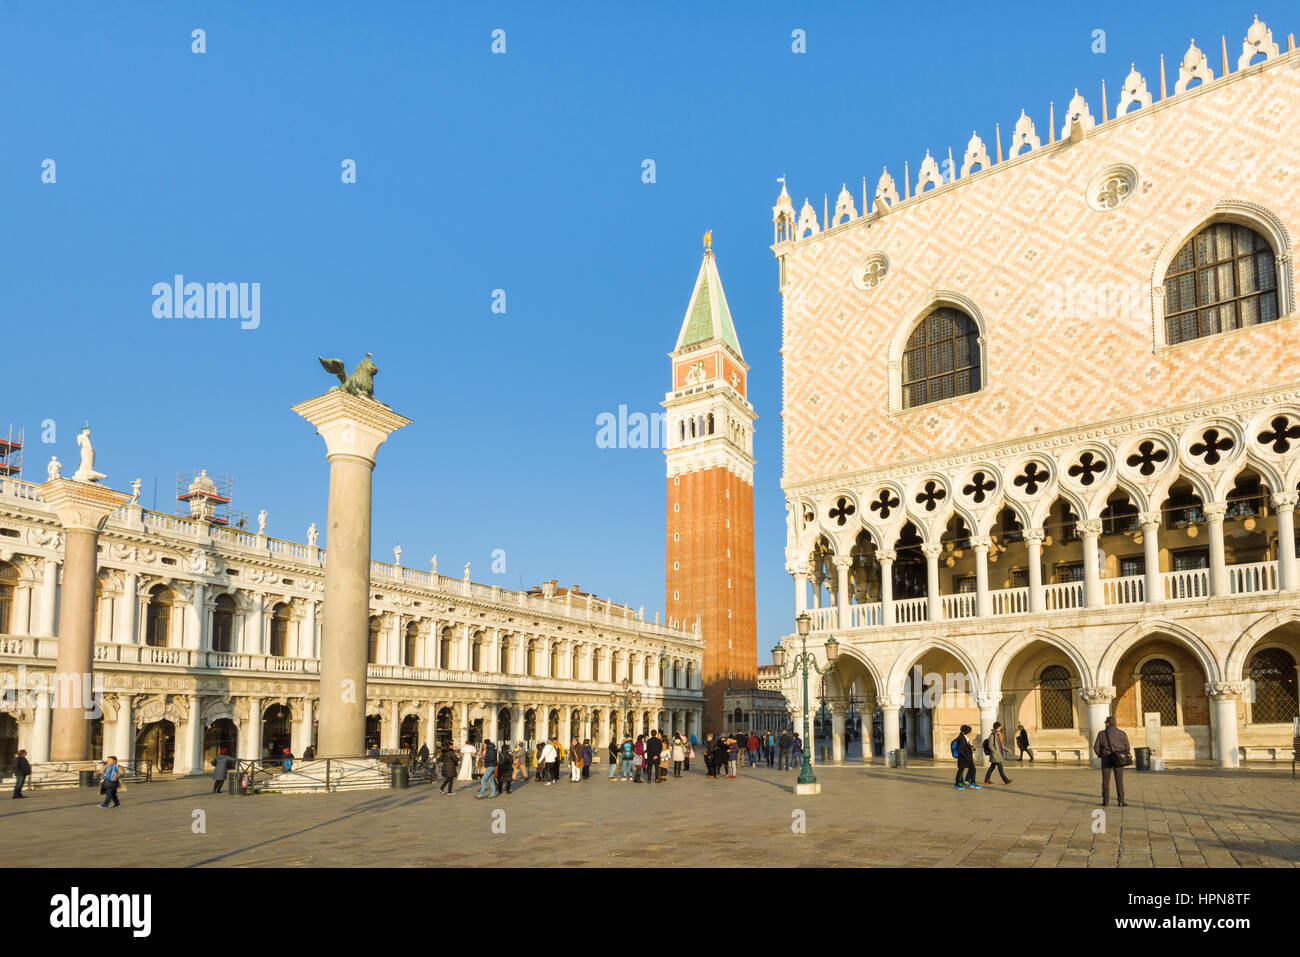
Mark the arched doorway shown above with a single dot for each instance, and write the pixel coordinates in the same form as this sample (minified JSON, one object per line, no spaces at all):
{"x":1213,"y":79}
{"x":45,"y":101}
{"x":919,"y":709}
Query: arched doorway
{"x":371,"y":740}
{"x":505,"y":727}
{"x":442,"y":732}
{"x":156,"y":743}
{"x":409,"y":735}
{"x":553,"y":725}
{"x":280,"y":630}
{"x":575,"y":725}
{"x":530,"y":725}
{"x":276,"y":730}
{"x":8,"y":742}
{"x":938,"y":698}
{"x":1040,"y":687}
{"x":222,"y":733}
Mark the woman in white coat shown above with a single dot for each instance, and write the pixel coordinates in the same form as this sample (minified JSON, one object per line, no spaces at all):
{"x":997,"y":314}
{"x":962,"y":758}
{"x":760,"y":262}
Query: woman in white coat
{"x":678,"y":754}
{"x":467,"y":762}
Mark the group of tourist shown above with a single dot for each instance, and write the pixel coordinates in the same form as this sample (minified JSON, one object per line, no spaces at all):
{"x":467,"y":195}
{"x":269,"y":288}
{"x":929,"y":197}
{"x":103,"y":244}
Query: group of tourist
{"x":1111,"y":747}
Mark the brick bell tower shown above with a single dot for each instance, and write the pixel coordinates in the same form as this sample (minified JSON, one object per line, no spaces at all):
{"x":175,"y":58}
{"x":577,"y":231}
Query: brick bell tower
{"x":709,"y":452}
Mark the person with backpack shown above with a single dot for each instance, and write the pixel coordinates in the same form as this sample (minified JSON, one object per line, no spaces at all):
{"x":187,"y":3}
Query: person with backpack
{"x":965,"y":755}
{"x":489,"y":779}
{"x":996,"y":749}
{"x":110,"y":781}
{"x":751,"y":745}
{"x":733,"y":756}
{"x":1112,"y":747}
{"x":587,"y":756}
{"x":626,"y":757}
{"x":769,"y":748}
{"x":690,"y":753}
{"x":783,"y":744}
{"x":541,"y":768}
{"x":638,"y":759}
{"x":796,"y":751}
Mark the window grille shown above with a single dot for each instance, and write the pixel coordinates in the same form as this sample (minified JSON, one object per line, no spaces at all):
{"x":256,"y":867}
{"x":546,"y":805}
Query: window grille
{"x":1057,"y":705}
{"x":1273,"y":679}
{"x":1158,"y":691}
{"x":1223,"y":278}
{"x":941,"y":359}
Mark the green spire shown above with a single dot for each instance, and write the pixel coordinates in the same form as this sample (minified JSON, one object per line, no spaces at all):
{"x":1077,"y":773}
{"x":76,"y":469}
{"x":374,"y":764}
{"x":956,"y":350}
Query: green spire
{"x":707,"y":317}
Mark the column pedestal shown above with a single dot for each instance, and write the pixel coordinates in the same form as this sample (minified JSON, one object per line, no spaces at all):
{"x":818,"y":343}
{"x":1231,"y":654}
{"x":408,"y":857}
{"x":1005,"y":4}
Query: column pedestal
{"x":82,"y":508}
{"x":1224,"y":695}
{"x":353,"y":428}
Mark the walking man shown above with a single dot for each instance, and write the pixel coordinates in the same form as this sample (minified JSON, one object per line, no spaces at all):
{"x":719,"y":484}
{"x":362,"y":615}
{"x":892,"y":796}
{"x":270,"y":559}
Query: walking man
{"x":22,"y":768}
{"x":627,"y":753}
{"x":448,"y":765}
{"x":783,"y":750}
{"x":489,"y":780}
{"x":965,"y":760}
{"x":996,"y":748}
{"x":751,"y":745}
{"x":1112,"y":747}
{"x":1022,"y":742}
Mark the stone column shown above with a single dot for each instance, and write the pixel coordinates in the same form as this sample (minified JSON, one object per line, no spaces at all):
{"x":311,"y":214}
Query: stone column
{"x":194,"y":616}
{"x":1284,"y":506}
{"x":1098,"y":699}
{"x":49,"y":597}
{"x":988,"y":705}
{"x":1214,"y":513}
{"x":23,"y":609}
{"x":1090,"y":530}
{"x":250,"y":731}
{"x":934,"y":603}
{"x":837,"y":736}
{"x":124,"y":730}
{"x":886,"y":558}
{"x":1034,"y":543}
{"x":301,"y":731}
{"x":189,"y":746}
{"x":843,"y":597}
{"x":307,"y":632}
{"x":353,"y":428}
{"x":126,"y":620}
{"x":983,"y":602}
{"x":817,"y":580}
{"x":909,"y":723}
{"x":40,"y":747}
{"x":800,"y":591}
{"x":1225,"y":695}
{"x":82,"y":508}
{"x":1151,"y":557}
{"x":889,"y":705}
{"x":255,"y":625}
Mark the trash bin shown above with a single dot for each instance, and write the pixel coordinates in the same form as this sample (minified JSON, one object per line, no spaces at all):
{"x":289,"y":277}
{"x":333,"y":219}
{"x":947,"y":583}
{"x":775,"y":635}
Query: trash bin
{"x":232,"y":782}
{"x":898,"y":758}
{"x":86,"y":779}
{"x":401,"y":776}
{"x":1142,"y":759}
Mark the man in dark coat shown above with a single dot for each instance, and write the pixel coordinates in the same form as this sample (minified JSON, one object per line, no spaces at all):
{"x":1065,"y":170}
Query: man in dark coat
{"x":505,"y":768}
{"x":965,"y":761}
{"x":783,"y":751}
{"x":22,"y":768}
{"x":221,"y":766}
{"x":1112,"y":747}
{"x":448,"y":766}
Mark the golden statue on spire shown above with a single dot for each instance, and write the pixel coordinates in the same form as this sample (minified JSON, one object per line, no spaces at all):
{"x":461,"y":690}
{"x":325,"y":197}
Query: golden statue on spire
{"x":708,"y":240}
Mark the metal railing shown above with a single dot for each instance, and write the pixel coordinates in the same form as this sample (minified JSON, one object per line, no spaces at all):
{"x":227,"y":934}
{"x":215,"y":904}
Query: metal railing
{"x":67,"y":774}
{"x":323,"y":774}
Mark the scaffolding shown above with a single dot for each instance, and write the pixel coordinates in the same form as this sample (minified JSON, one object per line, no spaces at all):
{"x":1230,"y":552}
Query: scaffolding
{"x":207,"y":498}
{"x":11,"y":453}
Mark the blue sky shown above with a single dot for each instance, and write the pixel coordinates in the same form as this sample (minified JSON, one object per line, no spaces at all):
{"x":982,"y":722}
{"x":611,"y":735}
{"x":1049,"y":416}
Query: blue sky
{"x":475,"y":172}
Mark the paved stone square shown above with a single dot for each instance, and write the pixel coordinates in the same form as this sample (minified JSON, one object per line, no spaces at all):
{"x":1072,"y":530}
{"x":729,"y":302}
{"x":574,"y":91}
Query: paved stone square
{"x":1182,"y":817}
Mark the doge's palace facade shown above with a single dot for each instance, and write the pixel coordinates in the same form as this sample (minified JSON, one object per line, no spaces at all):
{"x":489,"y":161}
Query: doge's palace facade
{"x":209,"y":637}
{"x":1042,"y":421}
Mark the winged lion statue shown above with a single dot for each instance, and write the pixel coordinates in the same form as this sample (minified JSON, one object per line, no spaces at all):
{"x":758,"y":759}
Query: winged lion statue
{"x":362,"y":380}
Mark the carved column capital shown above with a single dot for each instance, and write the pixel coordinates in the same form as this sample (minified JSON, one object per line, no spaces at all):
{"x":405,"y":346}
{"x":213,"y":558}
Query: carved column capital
{"x":1034,"y":536}
{"x":1089,"y":527}
{"x":1225,"y":690}
{"x":886,"y":554}
{"x":1283,"y":500}
{"x":894,"y":701}
{"x":980,"y":542}
{"x":1214,"y":511}
{"x":987,"y":700}
{"x":1099,"y":694}
{"x":1149,"y":519}
{"x":931,"y":550}
{"x":843,"y":561}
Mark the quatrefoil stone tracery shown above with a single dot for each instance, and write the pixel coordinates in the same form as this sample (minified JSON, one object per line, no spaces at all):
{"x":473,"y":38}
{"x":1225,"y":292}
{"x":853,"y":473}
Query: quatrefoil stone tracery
{"x":980,"y":485}
{"x":1279,"y":435}
{"x":1032,"y":477}
{"x":1087,"y":468}
{"x":1211,"y":444}
{"x":885,"y":503}
{"x":1146,"y":458}
{"x":931,"y":495}
{"x":842,"y":510}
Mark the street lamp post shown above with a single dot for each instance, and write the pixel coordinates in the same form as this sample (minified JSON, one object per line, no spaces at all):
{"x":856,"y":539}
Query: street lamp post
{"x":625,"y":701}
{"x":805,"y":660}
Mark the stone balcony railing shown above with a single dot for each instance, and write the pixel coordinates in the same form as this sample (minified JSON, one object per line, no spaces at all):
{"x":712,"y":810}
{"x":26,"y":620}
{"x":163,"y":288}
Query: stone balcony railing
{"x":193,"y":659}
{"x":1066,"y":597}
{"x":238,"y":541}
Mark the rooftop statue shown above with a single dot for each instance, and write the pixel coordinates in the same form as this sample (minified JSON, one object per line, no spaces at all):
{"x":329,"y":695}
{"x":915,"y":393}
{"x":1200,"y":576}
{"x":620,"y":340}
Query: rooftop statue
{"x":362,"y":380}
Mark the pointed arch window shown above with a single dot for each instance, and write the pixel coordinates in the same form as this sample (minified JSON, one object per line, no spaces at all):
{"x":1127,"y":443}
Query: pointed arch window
{"x":941,"y":359}
{"x":1224,"y":277}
